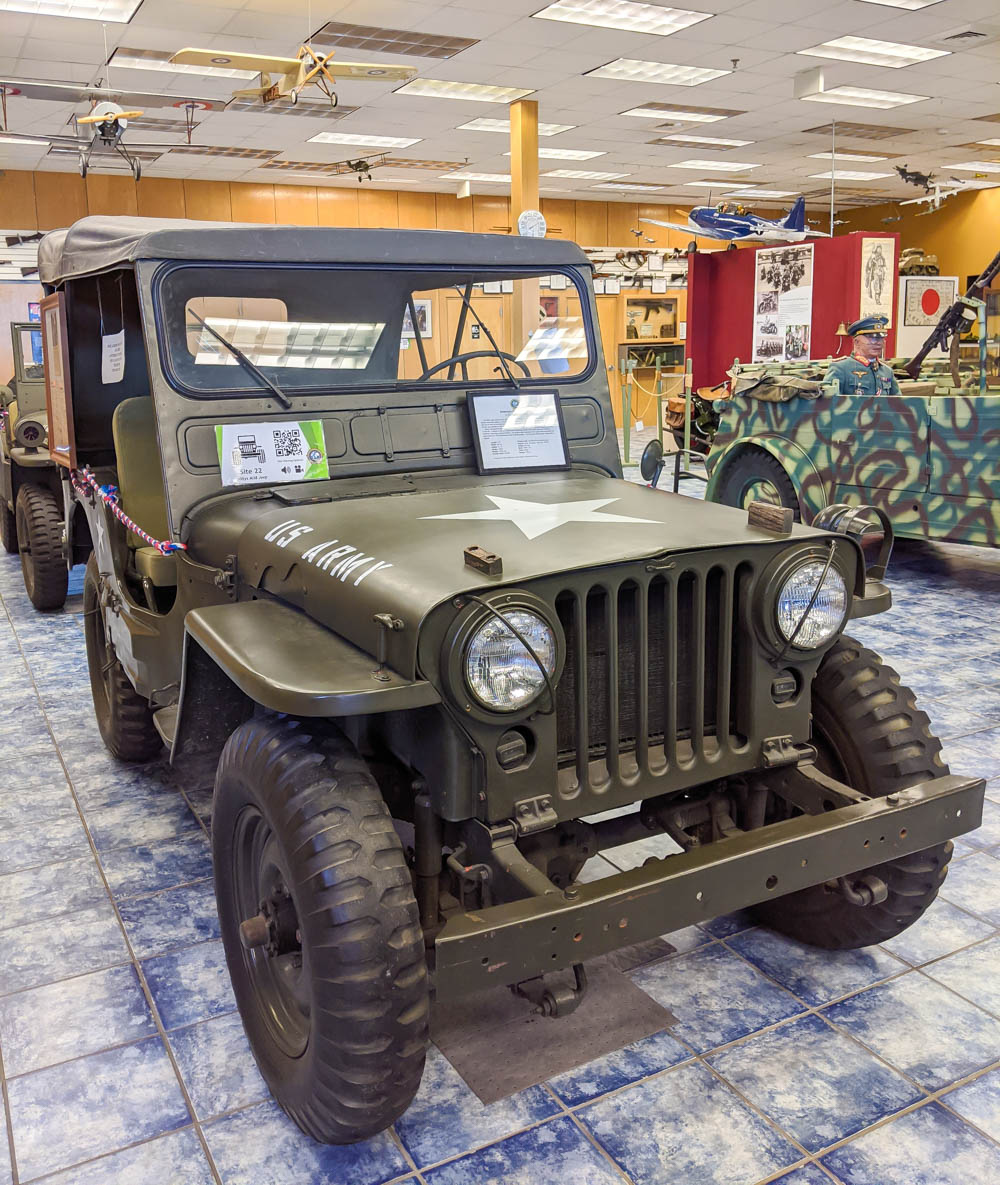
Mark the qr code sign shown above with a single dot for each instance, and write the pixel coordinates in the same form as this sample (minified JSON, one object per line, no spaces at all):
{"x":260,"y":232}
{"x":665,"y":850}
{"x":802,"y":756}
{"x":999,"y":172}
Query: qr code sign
{"x":287,"y":442}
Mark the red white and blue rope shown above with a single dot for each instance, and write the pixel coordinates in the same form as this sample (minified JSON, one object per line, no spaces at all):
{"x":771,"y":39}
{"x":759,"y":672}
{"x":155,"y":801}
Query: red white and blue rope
{"x":110,"y":497}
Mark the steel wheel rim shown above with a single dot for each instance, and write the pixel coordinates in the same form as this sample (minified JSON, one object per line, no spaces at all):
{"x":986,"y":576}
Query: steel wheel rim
{"x":279,"y":983}
{"x":760,"y":489}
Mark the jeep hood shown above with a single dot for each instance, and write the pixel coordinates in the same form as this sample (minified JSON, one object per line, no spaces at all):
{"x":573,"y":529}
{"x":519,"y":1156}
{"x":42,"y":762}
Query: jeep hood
{"x":403,"y":553}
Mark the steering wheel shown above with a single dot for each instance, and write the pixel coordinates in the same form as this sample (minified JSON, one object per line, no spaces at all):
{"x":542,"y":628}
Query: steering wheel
{"x":463,"y":360}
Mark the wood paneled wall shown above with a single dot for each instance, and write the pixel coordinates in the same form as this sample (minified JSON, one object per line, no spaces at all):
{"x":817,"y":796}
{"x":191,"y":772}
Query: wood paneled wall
{"x":42,"y":201}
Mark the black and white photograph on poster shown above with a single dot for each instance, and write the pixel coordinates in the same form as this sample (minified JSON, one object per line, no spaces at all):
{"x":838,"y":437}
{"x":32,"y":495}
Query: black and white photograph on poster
{"x":782,"y":303}
{"x":877,"y":271}
{"x":424,"y":323}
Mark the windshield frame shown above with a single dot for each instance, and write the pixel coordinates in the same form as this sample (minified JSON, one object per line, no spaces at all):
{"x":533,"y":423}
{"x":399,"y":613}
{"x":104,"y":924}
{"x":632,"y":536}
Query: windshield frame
{"x":449,"y":274}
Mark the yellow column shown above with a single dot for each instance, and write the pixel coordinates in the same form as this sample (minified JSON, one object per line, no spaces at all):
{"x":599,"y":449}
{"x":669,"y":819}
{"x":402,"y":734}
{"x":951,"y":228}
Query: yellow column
{"x":523,"y":196}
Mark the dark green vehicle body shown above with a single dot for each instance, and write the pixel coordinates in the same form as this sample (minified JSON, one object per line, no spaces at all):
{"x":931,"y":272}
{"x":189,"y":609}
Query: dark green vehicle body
{"x":929,"y":457}
{"x":23,"y":452}
{"x":350,"y":599}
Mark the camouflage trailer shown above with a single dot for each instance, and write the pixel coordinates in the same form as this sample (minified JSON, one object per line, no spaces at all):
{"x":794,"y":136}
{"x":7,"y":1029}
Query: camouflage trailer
{"x":928,"y":457}
{"x":429,"y":688}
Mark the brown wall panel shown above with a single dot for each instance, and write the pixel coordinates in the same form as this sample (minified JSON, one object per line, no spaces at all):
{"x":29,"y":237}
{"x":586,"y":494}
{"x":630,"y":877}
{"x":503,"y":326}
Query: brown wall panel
{"x":160,"y":197}
{"x":592,"y":224}
{"x":295,"y":205}
{"x":418,"y":211}
{"x":337,"y":207}
{"x":60,"y":198}
{"x":561,"y":218}
{"x":208,"y":200}
{"x":17,"y":200}
{"x":252,"y":203}
{"x":622,"y":216}
{"x":453,"y":213}
{"x":378,"y":208}
{"x":490,"y":215}
{"x":107,"y":194}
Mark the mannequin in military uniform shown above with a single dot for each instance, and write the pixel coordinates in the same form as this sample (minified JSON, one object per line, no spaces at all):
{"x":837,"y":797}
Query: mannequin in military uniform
{"x":863,"y":372}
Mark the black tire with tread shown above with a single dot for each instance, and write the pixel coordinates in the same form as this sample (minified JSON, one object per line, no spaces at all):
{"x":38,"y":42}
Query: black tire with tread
{"x":39,"y":539}
{"x":753,"y":463}
{"x":123,"y":716}
{"x":8,"y":528}
{"x":345,"y":868}
{"x":870,"y":724}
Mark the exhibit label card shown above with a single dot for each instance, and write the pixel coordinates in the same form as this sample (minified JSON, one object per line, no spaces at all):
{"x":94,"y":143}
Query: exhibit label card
{"x":518,"y":431}
{"x":294,"y":450}
{"x":782,"y":304}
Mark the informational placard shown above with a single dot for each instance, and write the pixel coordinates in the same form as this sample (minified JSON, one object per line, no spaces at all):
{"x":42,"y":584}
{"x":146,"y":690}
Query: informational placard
{"x":252,"y":454}
{"x":878,"y":269}
{"x":113,"y":357}
{"x":782,"y":303}
{"x":518,"y":431}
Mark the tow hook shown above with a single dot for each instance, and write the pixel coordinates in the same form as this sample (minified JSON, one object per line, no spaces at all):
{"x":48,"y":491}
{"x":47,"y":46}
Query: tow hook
{"x":556,"y":1001}
{"x":866,"y":890}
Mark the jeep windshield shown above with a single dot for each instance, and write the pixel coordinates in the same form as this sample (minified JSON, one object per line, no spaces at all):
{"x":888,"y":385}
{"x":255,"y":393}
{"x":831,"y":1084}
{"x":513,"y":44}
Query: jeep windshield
{"x":324,"y":328}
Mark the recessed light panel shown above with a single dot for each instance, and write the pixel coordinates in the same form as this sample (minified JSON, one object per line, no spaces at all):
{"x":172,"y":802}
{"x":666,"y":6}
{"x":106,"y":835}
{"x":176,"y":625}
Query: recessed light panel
{"x":631,"y":186}
{"x":584,"y":175}
{"x":367,"y":141}
{"x":713,"y":166}
{"x":401,"y":41}
{"x":849,"y":175}
{"x":17,"y":141}
{"x":311,"y":108}
{"x":988,"y":143}
{"x":231,"y":153}
{"x":492,"y":178}
{"x":669,"y":111}
{"x":405,"y":162}
{"x":859,"y":131}
{"x":858,"y":96}
{"x":118,"y":12}
{"x":476,"y":92}
{"x":567,"y":153}
{"x":710,"y":141}
{"x":761,"y":193}
{"x":623,"y":14}
{"x":909,"y":5}
{"x":636,"y":70}
{"x":874,"y":53}
{"x":156,"y":59}
{"x":503,"y":125}
{"x":975,"y":166}
{"x":855,"y":156}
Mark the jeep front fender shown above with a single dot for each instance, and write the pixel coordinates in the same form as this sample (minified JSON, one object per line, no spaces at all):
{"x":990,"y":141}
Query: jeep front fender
{"x":810,"y":488}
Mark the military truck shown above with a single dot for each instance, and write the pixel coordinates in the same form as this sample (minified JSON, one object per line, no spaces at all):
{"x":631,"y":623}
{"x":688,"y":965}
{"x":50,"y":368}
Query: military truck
{"x":436,"y":653}
{"x":30,"y":494}
{"x":929,"y":458}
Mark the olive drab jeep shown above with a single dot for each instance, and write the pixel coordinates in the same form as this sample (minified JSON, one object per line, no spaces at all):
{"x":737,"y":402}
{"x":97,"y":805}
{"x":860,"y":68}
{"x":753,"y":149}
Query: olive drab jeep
{"x":30,"y":494}
{"x":361,"y":547}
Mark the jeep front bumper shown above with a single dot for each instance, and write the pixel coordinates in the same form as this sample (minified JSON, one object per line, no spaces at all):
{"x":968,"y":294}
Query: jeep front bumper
{"x":522,"y":939}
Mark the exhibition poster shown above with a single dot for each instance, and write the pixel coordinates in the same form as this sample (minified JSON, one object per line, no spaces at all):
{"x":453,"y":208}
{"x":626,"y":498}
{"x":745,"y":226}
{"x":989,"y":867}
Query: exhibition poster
{"x":877,"y":272}
{"x":782,"y":303}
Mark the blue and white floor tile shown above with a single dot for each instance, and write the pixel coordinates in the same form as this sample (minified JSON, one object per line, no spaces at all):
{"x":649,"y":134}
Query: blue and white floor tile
{"x":123,"y":1060}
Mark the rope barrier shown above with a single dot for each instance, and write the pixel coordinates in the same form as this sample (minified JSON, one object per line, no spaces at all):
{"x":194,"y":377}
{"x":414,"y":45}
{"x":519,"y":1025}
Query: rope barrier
{"x":110,"y":497}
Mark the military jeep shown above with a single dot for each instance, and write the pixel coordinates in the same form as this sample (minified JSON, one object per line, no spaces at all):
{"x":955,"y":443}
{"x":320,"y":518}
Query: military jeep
{"x":430,"y":686}
{"x":30,"y":494}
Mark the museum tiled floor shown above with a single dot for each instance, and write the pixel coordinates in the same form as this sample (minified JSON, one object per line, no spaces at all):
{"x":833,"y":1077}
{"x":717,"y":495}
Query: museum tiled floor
{"x":124,"y":1063}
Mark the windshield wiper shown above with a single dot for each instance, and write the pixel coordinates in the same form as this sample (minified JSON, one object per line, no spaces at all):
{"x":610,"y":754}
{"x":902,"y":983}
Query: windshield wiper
{"x":245,"y":362}
{"x":496,"y":349}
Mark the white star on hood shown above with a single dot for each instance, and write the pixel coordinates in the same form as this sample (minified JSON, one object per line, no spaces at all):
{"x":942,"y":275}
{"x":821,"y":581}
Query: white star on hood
{"x":537,"y":518}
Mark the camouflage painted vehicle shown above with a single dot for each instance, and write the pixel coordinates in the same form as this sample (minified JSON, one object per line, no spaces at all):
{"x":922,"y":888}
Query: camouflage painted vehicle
{"x":429,"y":691}
{"x":30,"y":494}
{"x":929,"y":457}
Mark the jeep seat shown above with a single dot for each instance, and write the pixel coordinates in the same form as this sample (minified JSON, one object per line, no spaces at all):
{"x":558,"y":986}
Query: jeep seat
{"x":140,"y":486}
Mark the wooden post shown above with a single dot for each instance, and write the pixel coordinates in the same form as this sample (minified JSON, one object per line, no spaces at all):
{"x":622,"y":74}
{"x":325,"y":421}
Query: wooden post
{"x":523,"y":196}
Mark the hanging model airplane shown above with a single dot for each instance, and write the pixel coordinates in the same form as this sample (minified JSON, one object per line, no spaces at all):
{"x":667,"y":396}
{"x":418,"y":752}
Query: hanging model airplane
{"x":309,"y":67}
{"x":915,"y":177}
{"x":938,"y":194}
{"x":731,"y":222}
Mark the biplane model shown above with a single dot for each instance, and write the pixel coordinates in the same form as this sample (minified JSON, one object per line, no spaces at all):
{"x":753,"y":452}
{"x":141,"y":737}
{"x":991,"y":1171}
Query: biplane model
{"x":310,"y":67}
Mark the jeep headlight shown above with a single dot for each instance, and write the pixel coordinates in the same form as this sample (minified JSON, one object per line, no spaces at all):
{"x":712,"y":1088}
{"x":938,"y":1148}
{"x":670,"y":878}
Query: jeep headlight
{"x":828,"y":610}
{"x":499,"y":670}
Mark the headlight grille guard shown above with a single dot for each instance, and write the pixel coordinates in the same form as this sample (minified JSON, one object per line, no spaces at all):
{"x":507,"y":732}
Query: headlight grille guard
{"x":549,"y":687}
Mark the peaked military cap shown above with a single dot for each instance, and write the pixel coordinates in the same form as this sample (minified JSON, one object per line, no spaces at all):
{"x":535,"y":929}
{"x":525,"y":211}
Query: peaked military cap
{"x":875,"y":324}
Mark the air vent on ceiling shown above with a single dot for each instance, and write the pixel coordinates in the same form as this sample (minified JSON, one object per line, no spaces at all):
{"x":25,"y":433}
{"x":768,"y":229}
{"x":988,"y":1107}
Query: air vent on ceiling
{"x":968,"y":35}
{"x":960,"y":37}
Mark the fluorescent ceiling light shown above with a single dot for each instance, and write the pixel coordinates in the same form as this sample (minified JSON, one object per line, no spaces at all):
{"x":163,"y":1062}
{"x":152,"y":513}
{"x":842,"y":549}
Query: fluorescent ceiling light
{"x":402,"y":41}
{"x":635,"y":70}
{"x":858,"y":156}
{"x":710,"y":166}
{"x":371,"y":141}
{"x":477,"y":92}
{"x":873,"y":53}
{"x":909,"y":5}
{"x":849,"y":175}
{"x":859,"y":96}
{"x":567,"y":153}
{"x":989,"y":143}
{"x":976,"y":166}
{"x":496,"y":178}
{"x":712,"y":141}
{"x":584,"y":175}
{"x":503,"y":125}
{"x":623,"y":14}
{"x":155,"y":59}
{"x":761,"y":193}
{"x":667,"y":112}
{"x":396,"y":180}
{"x":15,"y":140}
{"x":119,"y":12}
{"x":629,"y":185}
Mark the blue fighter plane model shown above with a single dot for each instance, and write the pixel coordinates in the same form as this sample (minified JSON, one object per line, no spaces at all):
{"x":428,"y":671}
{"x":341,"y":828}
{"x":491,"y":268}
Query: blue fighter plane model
{"x":729,"y":221}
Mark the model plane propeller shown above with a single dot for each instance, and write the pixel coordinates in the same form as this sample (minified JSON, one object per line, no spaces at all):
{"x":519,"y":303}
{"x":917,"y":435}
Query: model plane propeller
{"x":728,"y":221}
{"x":309,"y":67}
